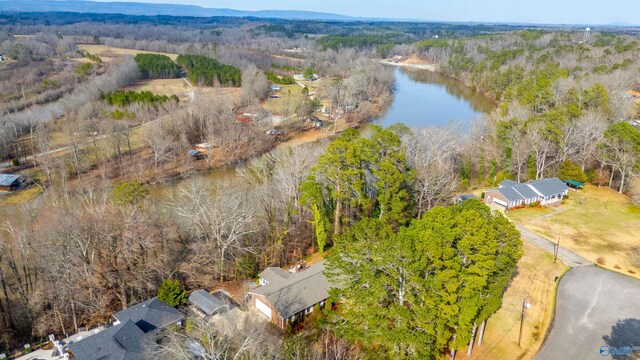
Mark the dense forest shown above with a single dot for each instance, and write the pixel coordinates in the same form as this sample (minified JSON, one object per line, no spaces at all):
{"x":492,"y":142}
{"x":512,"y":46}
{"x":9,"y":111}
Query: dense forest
{"x":201,"y":69}
{"x":156,"y":66}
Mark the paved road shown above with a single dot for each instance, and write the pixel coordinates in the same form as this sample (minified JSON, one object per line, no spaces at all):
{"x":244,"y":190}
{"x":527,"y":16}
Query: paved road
{"x":567,"y":256}
{"x":595,"y":308}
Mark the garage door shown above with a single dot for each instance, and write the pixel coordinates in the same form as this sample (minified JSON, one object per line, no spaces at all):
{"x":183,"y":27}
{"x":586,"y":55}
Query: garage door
{"x":263,"y":308}
{"x":499,"y":202}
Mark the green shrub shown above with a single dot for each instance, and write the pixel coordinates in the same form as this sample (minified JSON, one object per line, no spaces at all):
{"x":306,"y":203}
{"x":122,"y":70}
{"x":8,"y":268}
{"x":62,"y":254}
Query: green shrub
{"x":172,"y":293}
{"x":129,"y":192}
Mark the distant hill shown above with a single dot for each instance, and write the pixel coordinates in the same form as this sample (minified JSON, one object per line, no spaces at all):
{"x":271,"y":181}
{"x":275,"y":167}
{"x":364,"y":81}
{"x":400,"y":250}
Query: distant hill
{"x":133,"y":8}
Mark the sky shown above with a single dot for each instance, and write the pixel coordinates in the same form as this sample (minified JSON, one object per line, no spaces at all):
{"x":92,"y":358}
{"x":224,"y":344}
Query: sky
{"x":529,"y":11}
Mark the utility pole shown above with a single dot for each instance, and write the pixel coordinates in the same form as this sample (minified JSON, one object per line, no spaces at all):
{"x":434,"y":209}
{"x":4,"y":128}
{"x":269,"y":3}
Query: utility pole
{"x":525,"y":306}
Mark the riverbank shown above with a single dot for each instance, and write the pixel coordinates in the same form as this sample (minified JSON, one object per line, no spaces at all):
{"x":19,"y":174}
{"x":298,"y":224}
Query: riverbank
{"x":413,"y":61}
{"x":429,"y":67}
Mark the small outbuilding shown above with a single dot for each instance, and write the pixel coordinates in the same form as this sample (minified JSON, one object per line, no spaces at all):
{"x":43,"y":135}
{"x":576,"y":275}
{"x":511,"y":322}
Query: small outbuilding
{"x":461,"y":198}
{"x":10,"y":182}
{"x":574,"y":184}
{"x":210,"y":304}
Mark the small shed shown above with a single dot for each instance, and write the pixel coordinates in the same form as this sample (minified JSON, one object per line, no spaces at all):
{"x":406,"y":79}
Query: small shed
{"x":9,"y":182}
{"x":574,"y":184}
{"x":275,"y":87}
{"x":209,"y":304}
{"x":460,"y":198}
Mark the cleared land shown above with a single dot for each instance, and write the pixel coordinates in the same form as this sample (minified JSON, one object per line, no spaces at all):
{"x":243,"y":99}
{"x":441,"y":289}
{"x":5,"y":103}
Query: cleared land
{"x":108,"y":53}
{"x":163,"y":87}
{"x":19,"y":197}
{"x":599,"y":224}
{"x":535,"y":280}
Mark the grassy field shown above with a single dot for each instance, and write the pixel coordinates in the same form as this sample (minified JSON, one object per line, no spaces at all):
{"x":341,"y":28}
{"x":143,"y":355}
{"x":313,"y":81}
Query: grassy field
{"x":535,"y":280}
{"x":598,"y":224}
{"x":163,"y":87}
{"x":286,"y":100}
{"x":107,"y":53}
{"x":20,"y":197}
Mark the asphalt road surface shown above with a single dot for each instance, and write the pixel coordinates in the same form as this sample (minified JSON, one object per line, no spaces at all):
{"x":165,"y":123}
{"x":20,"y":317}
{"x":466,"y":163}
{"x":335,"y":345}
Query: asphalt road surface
{"x":597,"y":310}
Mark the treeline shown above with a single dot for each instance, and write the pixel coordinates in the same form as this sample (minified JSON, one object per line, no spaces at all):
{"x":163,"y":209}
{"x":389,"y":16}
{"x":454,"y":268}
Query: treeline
{"x":276,"y":79}
{"x":126,"y":97}
{"x":202,"y":69}
{"x":157,"y":66}
{"x":338,"y":41}
{"x":560,"y":103}
{"x":288,"y":68}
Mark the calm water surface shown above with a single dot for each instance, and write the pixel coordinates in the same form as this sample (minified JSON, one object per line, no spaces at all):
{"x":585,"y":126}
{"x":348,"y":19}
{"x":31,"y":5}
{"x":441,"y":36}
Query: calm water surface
{"x":426,"y":98}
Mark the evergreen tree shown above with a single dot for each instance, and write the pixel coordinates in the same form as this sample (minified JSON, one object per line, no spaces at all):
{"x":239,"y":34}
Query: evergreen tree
{"x":172,"y":293}
{"x":157,"y":66}
{"x":420,"y":290}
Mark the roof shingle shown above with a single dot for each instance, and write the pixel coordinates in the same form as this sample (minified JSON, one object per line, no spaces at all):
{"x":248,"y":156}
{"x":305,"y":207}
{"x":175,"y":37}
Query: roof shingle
{"x":298,"y":292}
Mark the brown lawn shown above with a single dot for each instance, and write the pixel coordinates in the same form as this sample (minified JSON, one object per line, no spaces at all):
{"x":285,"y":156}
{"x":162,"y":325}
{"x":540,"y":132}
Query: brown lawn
{"x":599,"y":224}
{"x":107,"y":53}
{"x":163,"y":87}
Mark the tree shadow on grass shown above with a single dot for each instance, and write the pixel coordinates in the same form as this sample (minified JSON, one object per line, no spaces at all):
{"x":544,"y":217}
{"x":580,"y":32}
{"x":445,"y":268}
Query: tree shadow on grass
{"x":624,"y":334}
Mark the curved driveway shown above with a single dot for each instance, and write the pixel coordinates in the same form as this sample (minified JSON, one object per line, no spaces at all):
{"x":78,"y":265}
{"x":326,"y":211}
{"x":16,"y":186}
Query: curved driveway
{"x":595,"y":308}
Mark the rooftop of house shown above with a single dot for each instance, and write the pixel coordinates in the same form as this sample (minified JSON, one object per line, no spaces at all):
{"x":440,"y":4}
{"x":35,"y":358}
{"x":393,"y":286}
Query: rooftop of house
{"x":295,"y":292}
{"x":150,"y":315}
{"x":549,"y":186}
{"x":274,"y":274}
{"x":121,"y":342}
{"x":8,"y":179}
{"x":514,"y":191}
{"x":208,"y":303}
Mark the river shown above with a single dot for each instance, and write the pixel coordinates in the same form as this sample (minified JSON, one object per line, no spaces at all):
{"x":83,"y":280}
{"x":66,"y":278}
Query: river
{"x":427,"y":98}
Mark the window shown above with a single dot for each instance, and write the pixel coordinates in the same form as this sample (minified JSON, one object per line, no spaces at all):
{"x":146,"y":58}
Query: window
{"x":309,"y":310}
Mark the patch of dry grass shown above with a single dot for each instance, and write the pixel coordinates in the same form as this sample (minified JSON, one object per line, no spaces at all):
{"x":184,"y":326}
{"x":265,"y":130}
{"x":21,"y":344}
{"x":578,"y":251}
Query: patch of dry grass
{"x":20,"y":197}
{"x":599,"y":224}
{"x":108,"y":53}
{"x":534,"y":279}
{"x":163,"y":87}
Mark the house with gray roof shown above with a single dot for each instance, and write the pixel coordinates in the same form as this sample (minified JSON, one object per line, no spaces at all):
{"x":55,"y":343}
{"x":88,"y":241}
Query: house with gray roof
{"x":125,"y":341}
{"x":511,"y":194}
{"x":150,"y":315}
{"x":287,"y":296}
{"x":132,"y":329}
{"x":9,"y":182}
